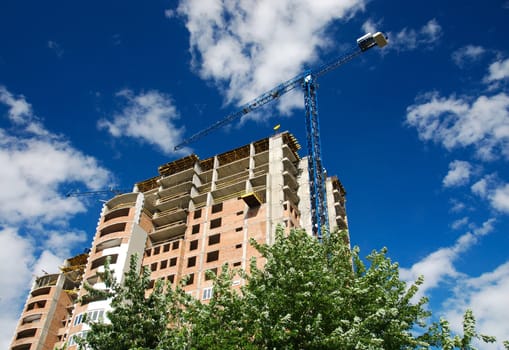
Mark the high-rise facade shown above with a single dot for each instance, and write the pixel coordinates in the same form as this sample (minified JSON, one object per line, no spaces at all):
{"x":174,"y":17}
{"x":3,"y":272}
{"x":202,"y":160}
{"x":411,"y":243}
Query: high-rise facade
{"x":194,"y":216}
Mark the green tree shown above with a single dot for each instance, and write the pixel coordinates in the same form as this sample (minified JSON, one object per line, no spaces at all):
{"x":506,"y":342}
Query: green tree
{"x":308,"y":295}
{"x":138,"y":320}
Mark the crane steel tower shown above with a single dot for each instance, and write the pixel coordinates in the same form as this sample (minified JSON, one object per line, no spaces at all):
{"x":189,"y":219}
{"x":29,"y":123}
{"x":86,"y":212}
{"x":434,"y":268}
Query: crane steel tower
{"x":307,"y":81}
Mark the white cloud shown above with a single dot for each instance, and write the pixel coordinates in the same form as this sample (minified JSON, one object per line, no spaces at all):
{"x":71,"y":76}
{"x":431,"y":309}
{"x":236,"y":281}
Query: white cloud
{"x":459,"y":223}
{"x":494,"y":190}
{"x":53,"y":45}
{"x":17,"y":277}
{"x":457,"y":206}
{"x":486,"y":295}
{"x":19,"y":108}
{"x":169,"y":13}
{"x":31,"y":184}
{"x":467,"y":54}
{"x":410,"y":39}
{"x":500,"y":198}
{"x":456,"y":122}
{"x":23,"y":250}
{"x":498,"y":70}
{"x":371,"y":26}
{"x":148,"y":117}
{"x":35,"y":215}
{"x":480,"y":188}
{"x":438,"y":266}
{"x":459,"y":173}
{"x":248,"y":47}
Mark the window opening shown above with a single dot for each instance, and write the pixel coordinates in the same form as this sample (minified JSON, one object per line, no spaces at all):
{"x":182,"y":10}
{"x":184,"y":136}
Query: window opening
{"x":191,"y":261}
{"x":207,"y":293}
{"x":214,"y":239}
{"x":213,"y":256}
{"x":215,"y":223}
{"x":216,"y":208}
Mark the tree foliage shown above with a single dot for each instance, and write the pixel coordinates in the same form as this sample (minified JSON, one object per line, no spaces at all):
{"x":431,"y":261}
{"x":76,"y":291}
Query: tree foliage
{"x":308,"y":295}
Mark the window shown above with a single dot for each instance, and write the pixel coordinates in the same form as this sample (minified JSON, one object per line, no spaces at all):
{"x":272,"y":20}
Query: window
{"x":191,"y":261}
{"x":101,"y":260}
{"x":164,"y":264}
{"x":148,"y":252}
{"x":213,"y":256}
{"x":173,"y":261}
{"x":207,"y":293}
{"x":115,"y":228}
{"x":214,"y":239}
{"x":157,"y":250}
{"x":72,"y":338}
{"x":153,"y":266}
{"x":77,"y":320}
{"x":193,"y":245}
{"x":151,"y":284}
{"x":27,"y":333}
{"x":196,"y":229}
{"x":166,"y":248}
{"x":236,"y":263}
{"x":215,"y":223}
{"x":36,"y":305}
{"x":216,"y":208}
{"x":31,"y":319}
{"x":175,"y":245}
{"x":116,"y":214}
{"x":238,"y":229}
{"x":90,"y":316}
{"x":240,"y":212}
{"x":190,"y":279}
{"x":285,"y":207}
{"x":238,"y":246}
{"x":171,"y":278}
{"x":197,"y":214}
{"x":209,"y":274}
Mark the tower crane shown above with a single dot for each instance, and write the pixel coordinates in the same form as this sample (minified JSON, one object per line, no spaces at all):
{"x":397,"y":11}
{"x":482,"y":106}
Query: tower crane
{"x":307,"y":81}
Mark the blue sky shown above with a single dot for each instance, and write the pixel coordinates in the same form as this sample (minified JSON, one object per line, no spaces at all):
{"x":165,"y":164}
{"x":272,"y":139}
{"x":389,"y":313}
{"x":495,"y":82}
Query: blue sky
{"x":96,"y":94}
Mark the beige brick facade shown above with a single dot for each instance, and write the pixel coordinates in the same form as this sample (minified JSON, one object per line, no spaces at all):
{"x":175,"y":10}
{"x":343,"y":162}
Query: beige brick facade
{"x":194,"y":216}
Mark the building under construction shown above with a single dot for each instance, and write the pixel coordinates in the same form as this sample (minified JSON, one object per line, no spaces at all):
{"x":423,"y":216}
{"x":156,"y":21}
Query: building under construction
{"x":194,"y":216}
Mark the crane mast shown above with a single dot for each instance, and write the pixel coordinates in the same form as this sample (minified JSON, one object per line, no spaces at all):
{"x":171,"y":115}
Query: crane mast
{"x":305,"y":80}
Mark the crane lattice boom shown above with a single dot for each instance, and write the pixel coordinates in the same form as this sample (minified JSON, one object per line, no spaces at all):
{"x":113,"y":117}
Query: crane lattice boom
{"x":306,"y":81}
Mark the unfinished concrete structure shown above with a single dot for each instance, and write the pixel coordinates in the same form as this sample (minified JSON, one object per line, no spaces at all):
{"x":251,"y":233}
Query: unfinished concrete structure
{"x":197,"y":215}
{"x":49,"y":306}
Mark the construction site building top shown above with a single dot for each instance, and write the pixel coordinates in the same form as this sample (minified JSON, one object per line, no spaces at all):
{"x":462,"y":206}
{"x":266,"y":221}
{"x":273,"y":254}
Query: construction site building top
{"x":187,"y":162}
{"x":292,"y":142}
{"x":147,"y":185}
{"x":336,"y":184}
{"x":77,"y":260}
{"x":178,"y":165}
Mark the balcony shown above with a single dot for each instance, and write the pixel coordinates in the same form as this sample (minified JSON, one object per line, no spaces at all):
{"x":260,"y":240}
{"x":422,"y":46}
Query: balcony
{"x":171,"y":191}
{"x":290,"y":194}
{"x":234,"y":167}
{"x":46,"y":280}
{"x":178,"y":178}
{"x":122,"y":201}
{"x":180,"y":200}
{"x":169,"y":231}
{"x":290,"y":180}
{"x":168,"y":216}
{"x":229,"y":190}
